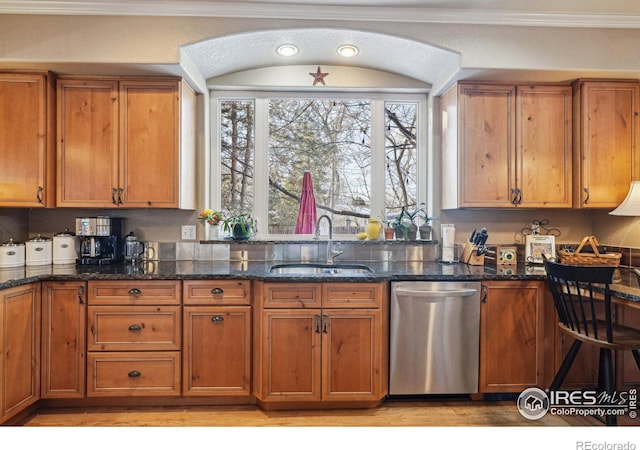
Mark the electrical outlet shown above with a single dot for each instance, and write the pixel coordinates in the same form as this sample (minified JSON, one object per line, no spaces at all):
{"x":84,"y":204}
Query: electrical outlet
{"x":188,"y":232}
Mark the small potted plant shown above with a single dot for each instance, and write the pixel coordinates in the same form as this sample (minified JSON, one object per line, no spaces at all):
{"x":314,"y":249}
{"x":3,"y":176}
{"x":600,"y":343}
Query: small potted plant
{"x":412,"y":227}
{"x":388,"y":229}
{"x":400,"y":225}
{"x":425,"y":229}
{"x":239,"y":226}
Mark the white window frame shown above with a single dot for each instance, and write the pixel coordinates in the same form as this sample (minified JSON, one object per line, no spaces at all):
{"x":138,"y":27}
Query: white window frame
{"x":261,"y":129}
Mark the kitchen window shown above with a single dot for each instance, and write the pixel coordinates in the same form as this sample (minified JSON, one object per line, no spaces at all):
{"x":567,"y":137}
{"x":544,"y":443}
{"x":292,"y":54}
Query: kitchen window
{"x":365,"y":154}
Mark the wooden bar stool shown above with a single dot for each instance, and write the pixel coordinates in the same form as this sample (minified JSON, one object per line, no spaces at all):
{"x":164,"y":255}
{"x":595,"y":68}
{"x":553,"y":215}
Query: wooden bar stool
{"x":577,"y":290}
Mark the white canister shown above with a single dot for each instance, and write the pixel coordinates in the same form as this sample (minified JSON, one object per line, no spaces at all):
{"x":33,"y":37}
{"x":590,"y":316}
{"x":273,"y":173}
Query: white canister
{"x":38,"y":251}
{"x":11,"y":254}
{"x":66,"y":247}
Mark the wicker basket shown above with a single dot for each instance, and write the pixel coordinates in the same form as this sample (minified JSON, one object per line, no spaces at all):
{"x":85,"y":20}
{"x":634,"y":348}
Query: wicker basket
{"x":589,"y":259}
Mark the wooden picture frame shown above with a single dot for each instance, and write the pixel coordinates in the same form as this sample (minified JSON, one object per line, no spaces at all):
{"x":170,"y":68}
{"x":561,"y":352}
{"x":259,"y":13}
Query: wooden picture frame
{"x":536,"y":245}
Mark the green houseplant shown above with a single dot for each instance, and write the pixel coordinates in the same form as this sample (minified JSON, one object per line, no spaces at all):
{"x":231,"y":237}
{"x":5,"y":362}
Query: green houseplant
{"x":426,"y":229}
{"x":239,"y":226}
{"x":401,"y":225}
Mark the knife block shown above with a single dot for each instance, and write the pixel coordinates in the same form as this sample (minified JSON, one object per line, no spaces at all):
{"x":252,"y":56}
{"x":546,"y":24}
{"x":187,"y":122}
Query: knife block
{"x":469,"y":255}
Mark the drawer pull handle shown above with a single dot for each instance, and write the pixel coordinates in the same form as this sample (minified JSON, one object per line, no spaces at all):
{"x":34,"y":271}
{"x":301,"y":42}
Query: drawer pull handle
{"x":134,"y":374}
{"x":217,"y":291}
{"x":135,"y":291}
{"x":135,"y":327}
{"x":217,"y":319}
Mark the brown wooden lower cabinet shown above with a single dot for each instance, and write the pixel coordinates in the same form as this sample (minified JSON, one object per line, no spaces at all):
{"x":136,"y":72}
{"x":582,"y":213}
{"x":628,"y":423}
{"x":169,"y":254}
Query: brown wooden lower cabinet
{"x":352,"y":355}
{"x":217,"y":350}
{"x":290,"y":355}
{"x":19,"y":349}
{"x":512,"y":341}
{"x":64,"y":325}
{"x":303,"y":355}
{"x":134,"y":339}
{"x":286,"y":345}
{"x":216,"y":344}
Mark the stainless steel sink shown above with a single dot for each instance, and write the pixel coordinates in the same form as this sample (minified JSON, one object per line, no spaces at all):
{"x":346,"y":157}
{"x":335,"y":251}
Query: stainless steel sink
{"x":319,"y":269}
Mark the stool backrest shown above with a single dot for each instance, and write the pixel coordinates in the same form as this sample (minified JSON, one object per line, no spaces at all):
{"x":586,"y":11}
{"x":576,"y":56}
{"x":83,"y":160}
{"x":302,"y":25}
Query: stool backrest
{"x":577,"y":291}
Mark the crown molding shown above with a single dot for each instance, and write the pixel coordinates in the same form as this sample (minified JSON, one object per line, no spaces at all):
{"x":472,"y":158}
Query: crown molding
{"x":319,"y":12}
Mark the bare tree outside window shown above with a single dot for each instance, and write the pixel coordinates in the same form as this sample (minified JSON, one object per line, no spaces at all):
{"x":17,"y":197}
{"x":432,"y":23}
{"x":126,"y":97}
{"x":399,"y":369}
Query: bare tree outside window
{"x":401,"y":157}
{"x":332,"y":140}
{"x":237,"y":159}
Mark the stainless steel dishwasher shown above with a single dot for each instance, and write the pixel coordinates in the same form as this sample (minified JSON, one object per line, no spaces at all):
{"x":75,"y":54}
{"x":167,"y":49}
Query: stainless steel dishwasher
{"x":434,"y":337}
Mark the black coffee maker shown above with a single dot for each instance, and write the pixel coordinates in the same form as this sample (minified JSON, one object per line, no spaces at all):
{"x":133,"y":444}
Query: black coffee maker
{"x":100,"y":240}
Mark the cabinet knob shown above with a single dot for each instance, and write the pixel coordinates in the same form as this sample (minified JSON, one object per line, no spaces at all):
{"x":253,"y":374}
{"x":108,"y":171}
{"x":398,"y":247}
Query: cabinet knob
{"x":217,"y":291}
{"x":135,"y":291}
{"x":135,"y":327}
{"x":217,"y":319}
{"x":134,"y":374}
{"x":39,"y":194}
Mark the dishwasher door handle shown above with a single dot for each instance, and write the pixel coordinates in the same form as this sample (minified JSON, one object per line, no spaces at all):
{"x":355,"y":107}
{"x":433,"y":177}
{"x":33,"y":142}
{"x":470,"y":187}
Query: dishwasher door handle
{"x":435,"y":294}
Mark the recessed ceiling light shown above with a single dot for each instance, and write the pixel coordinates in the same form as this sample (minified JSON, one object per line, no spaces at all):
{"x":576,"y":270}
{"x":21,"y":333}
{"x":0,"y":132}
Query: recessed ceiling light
{"x":347,"y":50}
{"x":287,"y":50}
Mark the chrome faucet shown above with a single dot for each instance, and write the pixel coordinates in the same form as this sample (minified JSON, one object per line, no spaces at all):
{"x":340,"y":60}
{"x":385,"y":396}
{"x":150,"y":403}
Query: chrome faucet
{"x":331,"y":253}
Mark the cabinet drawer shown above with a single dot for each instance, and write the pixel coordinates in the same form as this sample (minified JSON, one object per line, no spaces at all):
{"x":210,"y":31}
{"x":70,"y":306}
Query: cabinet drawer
{"x":134,"y":292}
{"x":221,"y":292}
{"x":292,"y":295}
{"x":134,"y":328}
{"x":351,"y":295}
{"x":133,"y":373}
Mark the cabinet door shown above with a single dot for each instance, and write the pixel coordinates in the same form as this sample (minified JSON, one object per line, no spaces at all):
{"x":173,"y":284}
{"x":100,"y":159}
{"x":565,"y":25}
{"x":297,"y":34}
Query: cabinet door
{"x":64,"y":311}
{"x":20,"y":347}
{"x":216,"y":354}
{"x":511,"y":336}
{"x":149,"y":143}
{"x":352,"y":354}
{"x":87,"y":172}
{"x":607,"y":135}
{"x":487,"y":145}
{"x":290,"y":355}
{"x":26,"y":140}
{"x":544,"y":146}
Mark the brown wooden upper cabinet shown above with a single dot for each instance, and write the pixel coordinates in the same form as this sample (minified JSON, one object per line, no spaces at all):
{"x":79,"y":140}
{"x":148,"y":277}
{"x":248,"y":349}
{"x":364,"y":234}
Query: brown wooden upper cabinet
{"x":125,"y":143}
{"x":506,"y":145}
{"x":606,"y":141}
{"x":27,"y":139}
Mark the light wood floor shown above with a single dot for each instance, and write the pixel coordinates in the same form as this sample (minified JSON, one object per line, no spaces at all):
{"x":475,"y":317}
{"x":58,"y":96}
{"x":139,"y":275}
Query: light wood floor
{"x":422,"y":413}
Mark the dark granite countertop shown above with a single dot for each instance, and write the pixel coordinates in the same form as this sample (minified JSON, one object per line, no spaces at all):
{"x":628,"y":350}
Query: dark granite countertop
{"x":625,"y":285}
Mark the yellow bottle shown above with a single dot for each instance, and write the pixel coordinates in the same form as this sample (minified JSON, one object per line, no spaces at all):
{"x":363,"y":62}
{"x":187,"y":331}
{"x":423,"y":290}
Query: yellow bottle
{"x":373,"y":230}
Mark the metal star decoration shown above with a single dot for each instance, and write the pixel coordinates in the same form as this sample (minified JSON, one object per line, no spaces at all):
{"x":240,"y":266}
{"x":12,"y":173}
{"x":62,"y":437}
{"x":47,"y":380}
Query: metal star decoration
{"x":318,"y":77}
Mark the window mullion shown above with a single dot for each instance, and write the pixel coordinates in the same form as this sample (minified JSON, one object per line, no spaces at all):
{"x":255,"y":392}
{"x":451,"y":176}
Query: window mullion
{"x":261,"y":173}
{"x":378,"y":189}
